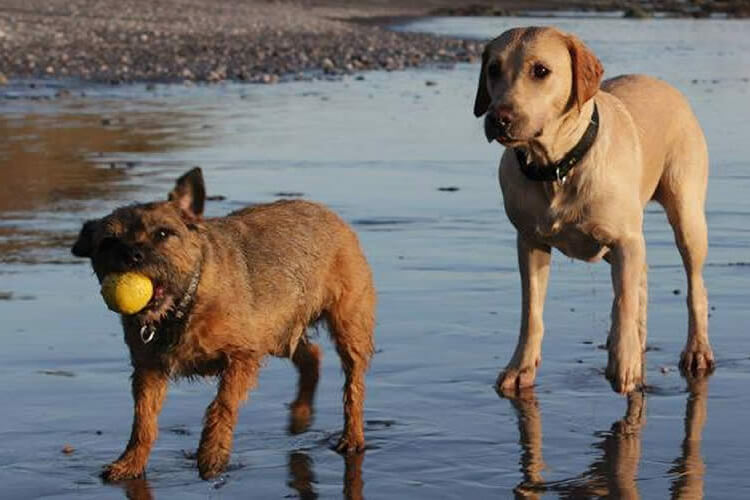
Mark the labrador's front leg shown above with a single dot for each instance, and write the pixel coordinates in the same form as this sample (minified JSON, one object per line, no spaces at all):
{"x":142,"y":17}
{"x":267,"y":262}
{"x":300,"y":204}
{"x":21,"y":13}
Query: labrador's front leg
{"x":533,"y":264}
{"x":624,"y":369}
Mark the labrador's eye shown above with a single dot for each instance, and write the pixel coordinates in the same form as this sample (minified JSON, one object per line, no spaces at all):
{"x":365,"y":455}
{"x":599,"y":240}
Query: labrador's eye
{"x":540,"y":71}
{"x":493,"y":70}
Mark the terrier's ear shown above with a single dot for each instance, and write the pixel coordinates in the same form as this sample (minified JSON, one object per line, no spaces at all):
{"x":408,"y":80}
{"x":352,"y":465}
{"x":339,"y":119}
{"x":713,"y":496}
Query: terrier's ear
{"x":189,"y":193}
{"x":84,"y":245}
{"x":587,"y":71}
{"x":482,"y":99}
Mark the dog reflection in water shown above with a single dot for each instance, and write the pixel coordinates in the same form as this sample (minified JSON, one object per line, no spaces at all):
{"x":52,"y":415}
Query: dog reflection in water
{"x":302,"y":476}
{"x":301,"y":479}
{"x":614,"y":474}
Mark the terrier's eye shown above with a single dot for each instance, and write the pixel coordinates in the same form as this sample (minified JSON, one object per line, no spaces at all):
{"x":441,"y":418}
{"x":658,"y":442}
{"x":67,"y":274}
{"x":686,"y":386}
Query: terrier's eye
{"x":493,"y":70}
{"x":163,"y":233}
{"x":540,"y":71}
{"x":107,"y":243}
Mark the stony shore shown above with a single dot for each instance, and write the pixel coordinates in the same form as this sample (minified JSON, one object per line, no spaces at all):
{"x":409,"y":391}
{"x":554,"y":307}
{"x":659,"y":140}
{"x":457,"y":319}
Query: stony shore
{"x":261,"y":41}
{"x":193,"y":40}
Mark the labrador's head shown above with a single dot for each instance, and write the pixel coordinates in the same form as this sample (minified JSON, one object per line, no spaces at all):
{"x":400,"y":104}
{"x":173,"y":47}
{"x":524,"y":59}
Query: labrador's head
{"x":530,"y":79}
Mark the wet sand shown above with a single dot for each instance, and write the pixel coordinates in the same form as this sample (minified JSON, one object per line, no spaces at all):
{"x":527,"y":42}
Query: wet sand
{"x":406,"y":163}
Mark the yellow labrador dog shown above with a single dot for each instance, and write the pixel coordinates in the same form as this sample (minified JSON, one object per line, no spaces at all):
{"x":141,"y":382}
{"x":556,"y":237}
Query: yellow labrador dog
{"x":582,"y":160}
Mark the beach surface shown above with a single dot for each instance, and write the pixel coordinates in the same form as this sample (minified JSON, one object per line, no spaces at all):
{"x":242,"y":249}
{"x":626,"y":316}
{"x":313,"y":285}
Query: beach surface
{"x":401,"y":157}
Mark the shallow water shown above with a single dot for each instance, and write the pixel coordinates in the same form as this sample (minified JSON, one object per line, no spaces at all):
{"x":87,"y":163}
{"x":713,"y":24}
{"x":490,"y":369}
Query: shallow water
{"x":377,"y":151}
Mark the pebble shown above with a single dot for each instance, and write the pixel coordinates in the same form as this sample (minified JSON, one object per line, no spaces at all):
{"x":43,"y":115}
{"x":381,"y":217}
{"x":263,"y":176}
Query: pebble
{"x":270,"y":79}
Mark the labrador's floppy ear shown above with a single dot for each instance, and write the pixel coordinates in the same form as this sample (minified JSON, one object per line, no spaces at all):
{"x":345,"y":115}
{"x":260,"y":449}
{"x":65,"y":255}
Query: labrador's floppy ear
{"x":587,"y":71}
{"x":189,"y":193}
{"x":84,"y":245}
{"x":482,"y":99}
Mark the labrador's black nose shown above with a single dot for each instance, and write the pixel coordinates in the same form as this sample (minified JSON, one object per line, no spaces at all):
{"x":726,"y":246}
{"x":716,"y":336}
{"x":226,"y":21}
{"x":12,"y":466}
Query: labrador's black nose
{"x":497,"y":123}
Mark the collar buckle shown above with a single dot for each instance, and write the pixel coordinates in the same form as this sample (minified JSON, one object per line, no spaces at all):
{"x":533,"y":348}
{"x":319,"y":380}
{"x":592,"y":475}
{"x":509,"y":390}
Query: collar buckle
{"x":560,"y":179}
{"x":148,"y":332}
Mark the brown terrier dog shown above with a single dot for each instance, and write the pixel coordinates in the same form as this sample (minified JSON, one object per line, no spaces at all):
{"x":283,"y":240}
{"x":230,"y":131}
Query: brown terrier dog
{"x":227,"y":292}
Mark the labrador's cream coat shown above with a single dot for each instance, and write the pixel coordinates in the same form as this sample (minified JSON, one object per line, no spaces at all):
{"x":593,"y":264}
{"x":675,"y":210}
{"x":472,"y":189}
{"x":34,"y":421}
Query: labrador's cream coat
{"x":544,"y":83}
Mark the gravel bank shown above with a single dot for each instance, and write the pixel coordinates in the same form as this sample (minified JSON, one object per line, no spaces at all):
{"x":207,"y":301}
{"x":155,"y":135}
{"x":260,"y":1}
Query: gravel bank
{"x":201,"y":40}
{"x":263,"y":41}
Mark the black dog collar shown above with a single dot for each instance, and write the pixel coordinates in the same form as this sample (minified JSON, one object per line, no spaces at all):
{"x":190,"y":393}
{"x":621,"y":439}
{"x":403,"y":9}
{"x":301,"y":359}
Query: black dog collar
{"x":559,"y":171}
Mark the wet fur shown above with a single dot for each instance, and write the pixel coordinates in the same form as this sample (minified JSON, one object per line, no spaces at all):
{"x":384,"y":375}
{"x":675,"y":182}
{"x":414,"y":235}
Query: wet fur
{"x":267,"y":273}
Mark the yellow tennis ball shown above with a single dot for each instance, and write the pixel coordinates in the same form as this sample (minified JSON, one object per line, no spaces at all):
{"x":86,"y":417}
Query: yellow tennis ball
{"x":127,"y":293}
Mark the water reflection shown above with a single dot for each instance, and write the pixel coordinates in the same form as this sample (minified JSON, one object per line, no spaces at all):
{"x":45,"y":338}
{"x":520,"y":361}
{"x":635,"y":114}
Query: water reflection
{"x":56,"y":164}
{"x":689,"y":467}
{"x":301,"y":479}
{"x":137,"y":489}
{"x":614,"y":473}
{"x":302,"y":475}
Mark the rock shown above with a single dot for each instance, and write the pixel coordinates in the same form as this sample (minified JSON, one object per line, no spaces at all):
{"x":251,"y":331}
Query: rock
{"x":68,"y":449}
{"x":635,"y":11}
{"x":270,"y":79}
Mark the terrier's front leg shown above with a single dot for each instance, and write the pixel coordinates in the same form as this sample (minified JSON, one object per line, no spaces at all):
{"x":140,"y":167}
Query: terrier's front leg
{"x":624,"y":368}
{"x":218,"y":428}
{"x":533,"y":264}
{"x":149,"y":391}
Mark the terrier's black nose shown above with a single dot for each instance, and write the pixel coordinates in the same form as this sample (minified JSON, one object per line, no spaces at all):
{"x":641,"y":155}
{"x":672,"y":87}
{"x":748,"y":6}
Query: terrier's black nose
{"x":132,"y":254}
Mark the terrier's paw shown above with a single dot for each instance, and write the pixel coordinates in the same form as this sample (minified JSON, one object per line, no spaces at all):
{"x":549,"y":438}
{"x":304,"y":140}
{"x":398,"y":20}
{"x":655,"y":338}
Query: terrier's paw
{"x":122,"y":469}
{"x":211,"y":465}
{"x":300,"y":418}
{"x":348,"y":445}
{"x":624,"y":369}
{"x":697,"y":360}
